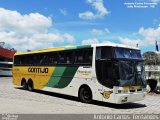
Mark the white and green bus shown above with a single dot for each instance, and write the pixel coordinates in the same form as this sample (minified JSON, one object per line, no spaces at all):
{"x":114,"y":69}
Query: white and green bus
{"x":105,"y":72}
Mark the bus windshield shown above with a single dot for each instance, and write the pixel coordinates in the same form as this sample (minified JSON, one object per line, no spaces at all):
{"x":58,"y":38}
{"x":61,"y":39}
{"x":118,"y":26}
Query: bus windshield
{"x":131,"y":73}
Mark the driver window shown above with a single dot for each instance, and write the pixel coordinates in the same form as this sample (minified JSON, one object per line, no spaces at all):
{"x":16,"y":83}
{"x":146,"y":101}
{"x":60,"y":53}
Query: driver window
{"x":109,"y":74}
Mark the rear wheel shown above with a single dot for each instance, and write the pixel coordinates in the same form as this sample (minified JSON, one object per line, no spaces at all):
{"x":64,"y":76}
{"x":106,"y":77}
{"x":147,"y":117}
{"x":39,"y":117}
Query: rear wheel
{"x":24,"y":85}
{"x":30,"y":85}
{"x":85,"y":95}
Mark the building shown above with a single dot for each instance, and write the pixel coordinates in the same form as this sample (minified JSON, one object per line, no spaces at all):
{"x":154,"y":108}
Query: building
{"x":6,"y":54}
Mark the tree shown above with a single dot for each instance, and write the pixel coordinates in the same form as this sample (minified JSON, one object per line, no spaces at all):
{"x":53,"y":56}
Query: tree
{"x":151,"y":58}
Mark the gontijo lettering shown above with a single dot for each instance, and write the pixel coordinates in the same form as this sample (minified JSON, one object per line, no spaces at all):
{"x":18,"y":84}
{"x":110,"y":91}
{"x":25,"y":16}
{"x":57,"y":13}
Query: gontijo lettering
{"x":37,"y":70}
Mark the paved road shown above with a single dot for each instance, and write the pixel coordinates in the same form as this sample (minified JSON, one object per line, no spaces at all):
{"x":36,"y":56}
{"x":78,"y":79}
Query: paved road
{"x":15,"y":100}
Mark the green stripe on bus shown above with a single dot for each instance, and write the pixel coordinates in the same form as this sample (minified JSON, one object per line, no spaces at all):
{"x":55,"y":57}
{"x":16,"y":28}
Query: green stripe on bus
{"x":70,"y":48}
{"x":56,"y":76}
{"x":83,"y":46}
{"x":78,"y":47}
{"x":66,"y":77}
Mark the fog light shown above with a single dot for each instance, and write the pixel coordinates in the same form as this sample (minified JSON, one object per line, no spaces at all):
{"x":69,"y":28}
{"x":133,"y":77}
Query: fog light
{"x":124,"y":99}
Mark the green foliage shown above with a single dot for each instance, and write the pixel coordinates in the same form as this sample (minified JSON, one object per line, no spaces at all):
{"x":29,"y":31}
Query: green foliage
{"x":151,"y":58}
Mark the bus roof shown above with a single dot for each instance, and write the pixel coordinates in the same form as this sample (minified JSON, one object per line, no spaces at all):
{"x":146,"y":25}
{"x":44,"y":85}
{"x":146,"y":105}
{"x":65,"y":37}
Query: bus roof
{"x":75,"y":47}
{"x":115,"y":45}
{"x":54,"y":49}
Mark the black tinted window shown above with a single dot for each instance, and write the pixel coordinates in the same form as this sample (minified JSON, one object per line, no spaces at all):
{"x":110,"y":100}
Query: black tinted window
{"x":107,"y":73}
{"x":84,"y":56}
{"x":104,"y":53}
{"x":61,"y":57}
{"x":70,"y":57}
{"x":79,"y":57}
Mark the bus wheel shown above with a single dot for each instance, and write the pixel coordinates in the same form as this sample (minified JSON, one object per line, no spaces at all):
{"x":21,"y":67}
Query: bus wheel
{"x":157,"y":91}
{"x":24,"y":85}
{"x":85,"y":95}
{"x":30,"y":85}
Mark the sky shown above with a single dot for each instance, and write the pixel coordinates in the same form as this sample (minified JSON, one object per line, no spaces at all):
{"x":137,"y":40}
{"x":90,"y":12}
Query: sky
{"x":36,"y":24}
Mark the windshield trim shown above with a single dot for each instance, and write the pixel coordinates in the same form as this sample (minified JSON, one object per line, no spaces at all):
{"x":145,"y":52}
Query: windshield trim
{"x":128,"y":59}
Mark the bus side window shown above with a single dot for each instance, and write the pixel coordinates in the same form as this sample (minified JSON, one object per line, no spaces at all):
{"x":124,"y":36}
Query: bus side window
{"x":46,"y":61}
{"x":38,"y":59}
{"x":53,"y":58}
{"x":22,"y":60}
{"x":104,"y":53}
{"x":42,"y":59}
{"x":79,"y":58}
{"x":16,"y":60}
{"x":35,"y":62}
{"x":69,"y":57}
{"x":88,"y":56}
{"x":61,"y":58}
{"x":30,"y":59}
{"x":84,"y":57}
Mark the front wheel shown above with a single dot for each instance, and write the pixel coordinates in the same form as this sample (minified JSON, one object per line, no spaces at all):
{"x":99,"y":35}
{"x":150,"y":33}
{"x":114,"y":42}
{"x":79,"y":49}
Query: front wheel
{"x":157,"y":90}
{"x":85,"y":95}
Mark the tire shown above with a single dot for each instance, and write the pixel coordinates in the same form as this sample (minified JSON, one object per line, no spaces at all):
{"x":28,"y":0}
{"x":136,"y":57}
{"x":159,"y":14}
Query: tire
{"x":85,"y":95}
{"x":152,"y":84}
{"x":24,"y":85}
{"x":157,"y":91}
{"x":30,"y":86}
{"x":148,"y":88}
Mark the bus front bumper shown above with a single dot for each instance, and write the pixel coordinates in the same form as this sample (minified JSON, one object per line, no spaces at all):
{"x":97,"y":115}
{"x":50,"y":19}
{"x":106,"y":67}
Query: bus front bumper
{"x":132,"y":97}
